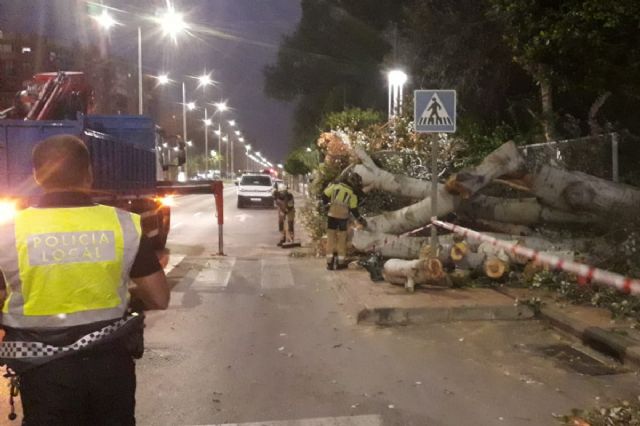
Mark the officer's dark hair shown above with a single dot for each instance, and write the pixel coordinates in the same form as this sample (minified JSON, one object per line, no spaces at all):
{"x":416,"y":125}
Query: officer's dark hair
{"x":62,"y":161}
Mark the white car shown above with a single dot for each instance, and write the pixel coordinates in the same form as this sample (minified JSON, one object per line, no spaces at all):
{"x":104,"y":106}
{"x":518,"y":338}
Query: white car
{"x":256,"y":189}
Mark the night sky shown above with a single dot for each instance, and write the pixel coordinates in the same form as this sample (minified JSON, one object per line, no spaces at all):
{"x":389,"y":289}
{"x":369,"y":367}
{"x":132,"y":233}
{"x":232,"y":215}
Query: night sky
{"x":233,"y":38}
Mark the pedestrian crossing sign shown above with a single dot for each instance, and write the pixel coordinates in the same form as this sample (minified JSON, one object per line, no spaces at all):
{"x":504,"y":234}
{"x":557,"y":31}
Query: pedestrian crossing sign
{"x":435,"y":111}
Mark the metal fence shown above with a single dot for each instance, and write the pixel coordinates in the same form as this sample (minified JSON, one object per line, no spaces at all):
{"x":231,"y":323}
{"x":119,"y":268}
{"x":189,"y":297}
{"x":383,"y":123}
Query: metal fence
{"x":594,"y":155}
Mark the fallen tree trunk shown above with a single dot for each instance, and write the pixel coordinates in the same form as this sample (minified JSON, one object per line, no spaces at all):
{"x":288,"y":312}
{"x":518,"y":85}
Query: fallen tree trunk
{"x":374,"y":177}
{"x":393,"y":246}
{"x":505,"y":160}
{"x":519,"y":211}
{"x":577,"y":191}
{"x":413,"y":216}
{"x":502,"y":161}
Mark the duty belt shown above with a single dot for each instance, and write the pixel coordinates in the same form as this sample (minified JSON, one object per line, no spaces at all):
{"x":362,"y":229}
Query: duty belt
{"x":17,"y":350}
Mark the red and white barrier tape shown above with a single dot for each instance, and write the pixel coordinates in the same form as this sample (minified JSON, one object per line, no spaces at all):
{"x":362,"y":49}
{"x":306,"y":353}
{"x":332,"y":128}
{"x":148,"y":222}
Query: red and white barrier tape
{"x":588,"y":273}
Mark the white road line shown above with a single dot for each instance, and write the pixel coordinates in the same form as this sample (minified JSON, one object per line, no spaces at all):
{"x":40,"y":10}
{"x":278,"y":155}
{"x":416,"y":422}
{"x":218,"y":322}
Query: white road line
{"x":176,"y":225}
{"x":276,"y":273}
{"x":369,"y":420}
{"x":174,"y":260}
{"x":215,"y":274}
{"x":197,"y":214}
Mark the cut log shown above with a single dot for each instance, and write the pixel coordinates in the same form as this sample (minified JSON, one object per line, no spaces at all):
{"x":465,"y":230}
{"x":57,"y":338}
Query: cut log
{"x":495,"y":268}
{"x":413,"y":272}
{"x":374,"y":177}
{"x":505,"y":160}
{"x":397,"y":271}
{"x":576,"y":191}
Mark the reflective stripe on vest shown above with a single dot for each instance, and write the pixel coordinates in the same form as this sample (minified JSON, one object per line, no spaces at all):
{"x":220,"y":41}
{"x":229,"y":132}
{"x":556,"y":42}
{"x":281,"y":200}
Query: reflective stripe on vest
{"x":67,"y":266}
{"x":342,"y":200}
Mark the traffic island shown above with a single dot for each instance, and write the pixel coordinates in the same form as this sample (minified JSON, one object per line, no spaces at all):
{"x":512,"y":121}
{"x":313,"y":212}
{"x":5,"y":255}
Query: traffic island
{"x":388,"y":305}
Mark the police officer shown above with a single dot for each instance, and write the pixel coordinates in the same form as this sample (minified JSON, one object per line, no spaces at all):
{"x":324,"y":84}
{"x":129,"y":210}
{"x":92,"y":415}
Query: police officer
{"x":286,"y":212}
{"x":66,"y":265}
{"x":342,"y":200}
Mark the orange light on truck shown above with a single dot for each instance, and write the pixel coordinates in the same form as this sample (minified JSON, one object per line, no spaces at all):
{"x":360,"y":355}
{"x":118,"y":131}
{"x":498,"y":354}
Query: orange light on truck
{"x":8,"y":210}
{"x":167,"y":201}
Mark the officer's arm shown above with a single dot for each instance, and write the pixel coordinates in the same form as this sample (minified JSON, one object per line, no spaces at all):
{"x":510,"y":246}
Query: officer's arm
{"x":153,"y":290}
{"x":3,"y":289}
{"x":147,"y":273}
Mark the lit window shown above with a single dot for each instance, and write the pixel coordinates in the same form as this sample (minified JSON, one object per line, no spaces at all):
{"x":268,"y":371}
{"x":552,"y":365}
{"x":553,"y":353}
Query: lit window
{"x":26,"y":49}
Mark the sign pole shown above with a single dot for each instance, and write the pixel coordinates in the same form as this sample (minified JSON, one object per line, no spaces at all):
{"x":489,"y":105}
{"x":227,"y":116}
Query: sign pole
{"x":434,"y":194}
{"x":435,"y":112}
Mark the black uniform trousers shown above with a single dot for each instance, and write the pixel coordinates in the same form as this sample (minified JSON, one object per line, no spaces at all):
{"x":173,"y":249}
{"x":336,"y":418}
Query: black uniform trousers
{"x":93,"y":388}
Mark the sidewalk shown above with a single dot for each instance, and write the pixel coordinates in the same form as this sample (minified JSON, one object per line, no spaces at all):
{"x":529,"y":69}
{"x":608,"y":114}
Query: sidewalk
{"x":388,"y":305}
{"x":385,"y":304}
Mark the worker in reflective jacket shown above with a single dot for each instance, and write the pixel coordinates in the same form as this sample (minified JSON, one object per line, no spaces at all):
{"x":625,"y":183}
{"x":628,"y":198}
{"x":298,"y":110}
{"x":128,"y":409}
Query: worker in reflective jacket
{"x":286,"y":213}
{"x":65,"y":267}
{"x":342,"y":201}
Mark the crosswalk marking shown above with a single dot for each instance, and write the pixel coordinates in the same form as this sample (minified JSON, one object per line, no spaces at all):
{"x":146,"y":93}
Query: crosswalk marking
{"x":276,"y":273}
{"x":368,"y":420}
{"x":174,"y":260}
{"x":215,"y":274}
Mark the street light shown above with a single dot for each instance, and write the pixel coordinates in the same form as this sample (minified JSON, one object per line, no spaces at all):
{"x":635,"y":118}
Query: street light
{"x":171,"y":23}
{"x":163,"y":79}
{"x":397,"y":80}
{"x":105,"y":20}
{"x":232,"y":123}
{"x":204,"y":80}
{"x":190,"y":105}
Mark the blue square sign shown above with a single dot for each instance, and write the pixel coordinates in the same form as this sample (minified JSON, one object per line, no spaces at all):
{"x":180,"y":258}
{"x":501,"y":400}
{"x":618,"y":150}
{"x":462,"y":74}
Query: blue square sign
{"x":435,"y":111}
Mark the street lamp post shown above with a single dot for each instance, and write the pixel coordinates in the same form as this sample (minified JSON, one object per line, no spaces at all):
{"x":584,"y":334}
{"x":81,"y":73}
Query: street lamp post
{"x":247,"y":149}
{"x":220,"y":107}
{"x":207,"y":123}
{"x":397,"y":80}
{"x":140,"y":100}
{"x":170,"y":22}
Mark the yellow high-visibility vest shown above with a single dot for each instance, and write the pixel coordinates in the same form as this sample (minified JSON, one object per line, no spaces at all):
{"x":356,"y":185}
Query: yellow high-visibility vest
{"x":342,"y":199}
{"x":67,"y":266}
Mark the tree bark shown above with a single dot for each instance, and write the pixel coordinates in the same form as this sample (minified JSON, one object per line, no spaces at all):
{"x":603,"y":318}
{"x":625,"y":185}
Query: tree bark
{"x":518,"y":211}
{"x":374,"y":177}
{"x":503,"y":161}
{"x":577,"y":191}
{"x":393,"y":246}
{"x":412,"y":272}
{"x":414,"y":216}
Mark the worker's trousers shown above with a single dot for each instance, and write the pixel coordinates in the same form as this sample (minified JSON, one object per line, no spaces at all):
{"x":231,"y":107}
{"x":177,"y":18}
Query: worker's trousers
{"x":81,"y":389}
{"x":337,"y":240}
{"x":289,"y":218}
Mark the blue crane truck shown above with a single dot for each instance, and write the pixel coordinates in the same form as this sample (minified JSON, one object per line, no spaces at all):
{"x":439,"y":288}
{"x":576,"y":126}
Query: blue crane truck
{"x":124,"y":159}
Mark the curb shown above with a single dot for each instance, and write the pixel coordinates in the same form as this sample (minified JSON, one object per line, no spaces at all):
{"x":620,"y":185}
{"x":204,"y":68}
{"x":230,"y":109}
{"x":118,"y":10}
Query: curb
{"x":618,"y":346}
{"x":401,"y":316}
{"x":405,"y":316}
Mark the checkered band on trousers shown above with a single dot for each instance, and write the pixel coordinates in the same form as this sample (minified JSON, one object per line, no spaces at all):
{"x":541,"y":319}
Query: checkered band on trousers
{"x":18,"y":350}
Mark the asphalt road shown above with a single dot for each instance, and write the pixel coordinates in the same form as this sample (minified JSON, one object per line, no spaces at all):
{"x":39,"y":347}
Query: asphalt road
{"x":259,"y":338}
